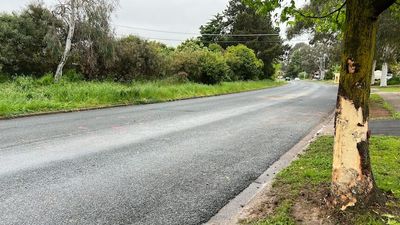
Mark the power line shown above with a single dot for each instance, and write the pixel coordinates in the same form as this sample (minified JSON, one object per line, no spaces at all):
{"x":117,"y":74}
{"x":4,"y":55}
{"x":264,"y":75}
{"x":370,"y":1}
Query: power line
{"x":216,"y":41}
{"x":197,"y":34}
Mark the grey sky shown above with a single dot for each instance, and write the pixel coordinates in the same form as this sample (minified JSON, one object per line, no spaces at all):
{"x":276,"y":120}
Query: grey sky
{"x":171,"y":15}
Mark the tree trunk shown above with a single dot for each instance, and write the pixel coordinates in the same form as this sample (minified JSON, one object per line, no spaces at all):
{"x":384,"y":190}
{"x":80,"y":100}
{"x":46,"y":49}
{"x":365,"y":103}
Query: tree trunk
{"x":68,"y":43}
{"x":352,"y":178}
{"x":384,"y":74}
{"x":373,"y":73}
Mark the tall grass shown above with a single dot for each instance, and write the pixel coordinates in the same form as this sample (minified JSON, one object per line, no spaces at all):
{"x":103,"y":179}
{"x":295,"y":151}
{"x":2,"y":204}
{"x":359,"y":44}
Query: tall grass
{"x":25,"y":95}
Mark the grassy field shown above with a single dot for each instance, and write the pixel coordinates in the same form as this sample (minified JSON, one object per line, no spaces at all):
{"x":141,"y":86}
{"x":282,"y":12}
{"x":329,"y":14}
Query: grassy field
{"x":27,"y":96}
{"x":299,"y":190}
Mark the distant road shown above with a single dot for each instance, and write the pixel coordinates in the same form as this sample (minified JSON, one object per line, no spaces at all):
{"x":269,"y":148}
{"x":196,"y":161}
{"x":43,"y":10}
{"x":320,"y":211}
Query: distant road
{"x":169,"y":163}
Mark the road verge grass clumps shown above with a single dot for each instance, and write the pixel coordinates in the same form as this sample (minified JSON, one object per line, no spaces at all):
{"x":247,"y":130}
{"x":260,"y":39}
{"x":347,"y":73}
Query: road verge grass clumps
{"x":378,"y":102}
{"x":26,"y":95}
{"x":299,"y":193}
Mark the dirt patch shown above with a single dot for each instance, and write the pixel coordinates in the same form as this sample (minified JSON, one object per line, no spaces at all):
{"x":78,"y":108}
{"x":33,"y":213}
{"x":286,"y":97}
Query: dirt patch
{"x":312,"y":207}
{"x":378,"y":111}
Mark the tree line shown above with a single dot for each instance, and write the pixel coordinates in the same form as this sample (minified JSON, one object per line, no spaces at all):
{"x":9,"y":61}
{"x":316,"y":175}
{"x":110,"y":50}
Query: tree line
{"x":77,"y":36}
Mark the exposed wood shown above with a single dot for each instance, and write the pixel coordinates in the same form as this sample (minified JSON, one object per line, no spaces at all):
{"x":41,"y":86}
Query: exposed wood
{"x":352,"y":180}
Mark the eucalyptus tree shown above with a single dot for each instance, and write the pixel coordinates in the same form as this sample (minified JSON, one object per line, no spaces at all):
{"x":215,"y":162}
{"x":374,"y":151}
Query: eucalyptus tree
{"x":93,"y":13}
{"x":352,"y":178}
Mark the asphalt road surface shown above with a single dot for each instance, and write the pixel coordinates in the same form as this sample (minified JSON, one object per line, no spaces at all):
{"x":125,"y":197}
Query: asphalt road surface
{"x":169,"y":163}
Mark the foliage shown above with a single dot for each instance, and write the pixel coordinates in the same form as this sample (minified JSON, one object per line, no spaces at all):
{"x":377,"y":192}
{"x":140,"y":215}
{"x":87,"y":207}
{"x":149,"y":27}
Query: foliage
{"x":27,"y":46}
{"x":244,"y":63}
{"x":26,"y":95}
{"x":238,"y":19}
{"x":394,"y":81}
{"x":137,"y":59}
{"x":213,"y":68}
{"x":92,"y":18}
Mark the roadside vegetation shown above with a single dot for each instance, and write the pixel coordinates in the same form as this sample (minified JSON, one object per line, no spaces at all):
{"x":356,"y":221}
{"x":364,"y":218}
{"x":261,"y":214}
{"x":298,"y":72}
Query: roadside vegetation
{"x":26,"y":95}
{"x":102,"y":69}
{"x":300,"y":193}
{"x":381,"y":109}
{"x":390,"y":89}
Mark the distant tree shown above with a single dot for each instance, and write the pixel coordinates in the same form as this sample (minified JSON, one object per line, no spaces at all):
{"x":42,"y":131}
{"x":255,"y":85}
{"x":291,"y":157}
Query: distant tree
{"x":238,"y":19}
{"x":388,"y":41}
{"x":90,"y":13}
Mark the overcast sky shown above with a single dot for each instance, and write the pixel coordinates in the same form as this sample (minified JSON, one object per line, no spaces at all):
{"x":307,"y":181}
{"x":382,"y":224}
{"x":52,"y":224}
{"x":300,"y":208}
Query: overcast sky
{"x":170,"y":15}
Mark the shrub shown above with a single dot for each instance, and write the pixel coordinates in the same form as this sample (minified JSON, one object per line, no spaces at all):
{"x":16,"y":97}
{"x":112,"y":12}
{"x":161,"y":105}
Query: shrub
{"x":214,"y":68}
{"x":394,"y":81}
{"x":46,"y":79}
{"x":187,"y":62}
{"x":24,"y":83}
{"x":329,"y":75}
{"x":73,"y":76}
{"x":137,"y":59}
{"x":244,"y":63}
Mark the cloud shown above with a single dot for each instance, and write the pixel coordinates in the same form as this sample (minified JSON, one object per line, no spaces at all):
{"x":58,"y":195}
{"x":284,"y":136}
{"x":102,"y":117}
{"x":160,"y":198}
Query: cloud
{"x":173,"y":15}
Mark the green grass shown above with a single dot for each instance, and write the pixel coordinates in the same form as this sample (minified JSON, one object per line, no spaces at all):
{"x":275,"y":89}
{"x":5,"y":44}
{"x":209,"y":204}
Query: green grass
{"x":390,"y":89}
{"x":382,"y":103}
{"x":27,"y":96}
{"x":313,"y":170}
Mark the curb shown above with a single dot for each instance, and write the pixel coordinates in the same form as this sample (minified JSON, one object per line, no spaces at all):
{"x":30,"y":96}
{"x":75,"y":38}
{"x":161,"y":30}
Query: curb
{"x":236,"y":209}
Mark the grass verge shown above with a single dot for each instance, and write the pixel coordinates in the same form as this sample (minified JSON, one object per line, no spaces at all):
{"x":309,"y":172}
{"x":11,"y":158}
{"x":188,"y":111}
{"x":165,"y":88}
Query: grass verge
{"x":390,"y":89}
{"x":298,"y":192}
{"x":27,"y":96}
{"x":380,"y":109}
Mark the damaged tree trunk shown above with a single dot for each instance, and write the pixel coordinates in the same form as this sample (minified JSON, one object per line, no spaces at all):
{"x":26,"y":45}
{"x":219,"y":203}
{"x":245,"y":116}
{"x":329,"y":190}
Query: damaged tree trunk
{"x":352,"y":181}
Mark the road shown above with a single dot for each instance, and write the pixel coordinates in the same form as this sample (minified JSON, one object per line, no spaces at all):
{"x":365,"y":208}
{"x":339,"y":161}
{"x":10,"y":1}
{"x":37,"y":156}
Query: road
{"x":169,"y":163}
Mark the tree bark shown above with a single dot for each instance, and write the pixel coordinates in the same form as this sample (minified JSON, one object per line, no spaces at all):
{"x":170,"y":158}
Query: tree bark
{"x":352,"y":179}
{"x":68,"y":43}
{"x":373,"y":73}
{"x":384,"y":74}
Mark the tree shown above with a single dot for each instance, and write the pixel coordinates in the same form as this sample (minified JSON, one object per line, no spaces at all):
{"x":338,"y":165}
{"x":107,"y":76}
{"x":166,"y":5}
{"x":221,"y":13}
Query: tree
{"x":388,"y":41}
{"x":233,"y":27}
{"x":29,"y":41}
{"x":352,"y":179}
{"x":95,"y":13}
{"x":310,"y":58}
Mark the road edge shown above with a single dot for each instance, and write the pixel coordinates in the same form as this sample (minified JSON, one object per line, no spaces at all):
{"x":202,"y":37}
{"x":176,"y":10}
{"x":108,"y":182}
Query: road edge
{"x":111,"y":106}
{"x":231,"y":213}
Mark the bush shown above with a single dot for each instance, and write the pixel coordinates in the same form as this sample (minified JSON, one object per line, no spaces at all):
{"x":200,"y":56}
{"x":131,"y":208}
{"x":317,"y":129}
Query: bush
{"x":329,"y":75}
{"x":214,"y":68}
{"x":244,"y":63}
{"x":24,"y":83}
{"x":188,"y":62}
{"x":394,"y":81}
{"x":47,"y":79}
{"x":137,"y":59}
{"x":73,"y":76}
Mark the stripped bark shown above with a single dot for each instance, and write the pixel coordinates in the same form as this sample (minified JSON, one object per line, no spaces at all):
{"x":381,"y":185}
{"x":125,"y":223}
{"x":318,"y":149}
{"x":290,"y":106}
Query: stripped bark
{"x":352,"y":178}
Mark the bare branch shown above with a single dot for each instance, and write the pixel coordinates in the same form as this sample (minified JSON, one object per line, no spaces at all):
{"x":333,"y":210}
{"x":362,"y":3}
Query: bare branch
{"x":324,"y":16}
